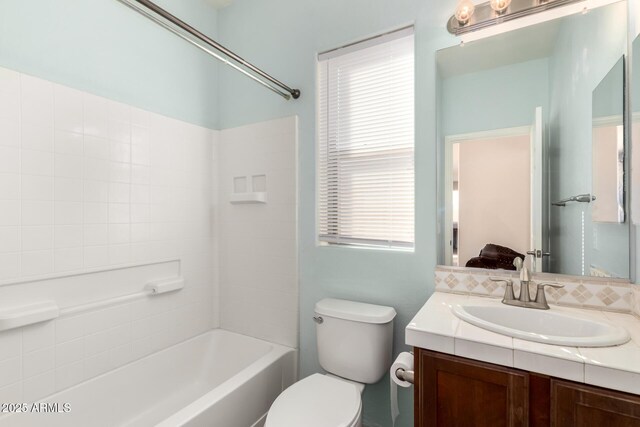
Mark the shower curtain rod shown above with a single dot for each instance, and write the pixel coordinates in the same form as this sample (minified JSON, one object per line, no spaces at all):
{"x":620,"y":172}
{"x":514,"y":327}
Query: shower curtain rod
{"x":184,"y":30}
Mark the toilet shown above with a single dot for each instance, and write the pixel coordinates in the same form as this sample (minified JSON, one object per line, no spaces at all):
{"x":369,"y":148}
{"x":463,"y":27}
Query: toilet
{"x":354,"y":342}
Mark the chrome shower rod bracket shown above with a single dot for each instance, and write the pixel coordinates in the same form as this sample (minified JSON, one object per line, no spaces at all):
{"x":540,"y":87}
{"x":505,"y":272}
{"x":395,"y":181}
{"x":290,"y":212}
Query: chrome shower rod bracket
{"x":185,"y":31}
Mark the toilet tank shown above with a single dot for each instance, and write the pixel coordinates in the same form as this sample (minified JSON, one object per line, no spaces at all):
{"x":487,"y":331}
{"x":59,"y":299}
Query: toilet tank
{"x":355,"y":340}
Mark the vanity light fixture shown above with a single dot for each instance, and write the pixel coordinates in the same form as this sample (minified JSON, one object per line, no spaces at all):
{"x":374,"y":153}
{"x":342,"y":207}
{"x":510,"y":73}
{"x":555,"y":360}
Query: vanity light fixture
{"x":500,"y":6}
{"x":464,"y":11}
{"x":469,"y":17}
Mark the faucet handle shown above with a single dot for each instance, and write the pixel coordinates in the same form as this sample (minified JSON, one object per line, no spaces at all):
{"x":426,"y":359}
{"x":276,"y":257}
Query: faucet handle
{"x":508,"y":291}
{"x":541,"y":297}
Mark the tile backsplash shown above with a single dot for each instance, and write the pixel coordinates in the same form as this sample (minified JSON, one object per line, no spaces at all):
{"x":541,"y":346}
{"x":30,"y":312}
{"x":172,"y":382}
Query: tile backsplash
{"x":588,"y":292}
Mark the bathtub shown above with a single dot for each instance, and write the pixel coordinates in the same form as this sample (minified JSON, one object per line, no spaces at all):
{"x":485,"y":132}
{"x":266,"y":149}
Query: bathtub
{"x":215,"y":379}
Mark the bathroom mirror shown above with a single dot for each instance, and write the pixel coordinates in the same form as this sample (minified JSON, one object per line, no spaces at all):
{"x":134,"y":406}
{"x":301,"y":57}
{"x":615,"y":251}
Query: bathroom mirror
{"x":531,"y":149}
{"x":607,"y":154}
{"x":608,"y":215}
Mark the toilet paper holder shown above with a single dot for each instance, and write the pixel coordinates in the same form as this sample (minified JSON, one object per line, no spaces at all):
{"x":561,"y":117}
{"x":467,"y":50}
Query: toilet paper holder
{"x":404,"y":375}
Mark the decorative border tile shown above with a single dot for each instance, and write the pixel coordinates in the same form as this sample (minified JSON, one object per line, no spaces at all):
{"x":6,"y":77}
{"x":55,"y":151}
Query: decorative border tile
{"x":586,"y":292}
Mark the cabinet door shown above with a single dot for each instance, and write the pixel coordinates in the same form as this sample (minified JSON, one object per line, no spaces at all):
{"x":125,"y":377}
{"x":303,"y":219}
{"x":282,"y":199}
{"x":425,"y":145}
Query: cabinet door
{"x":451,"y":391}
{"x":586,"y":406}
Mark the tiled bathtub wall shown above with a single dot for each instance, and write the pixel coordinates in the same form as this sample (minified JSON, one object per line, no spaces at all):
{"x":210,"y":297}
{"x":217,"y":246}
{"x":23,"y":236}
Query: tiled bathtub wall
{"x":96,"y":199}
{"x":38,"y":360}
{"x":258,"y":263}
{"x":588,"y":292}
{"x":88,"y":183}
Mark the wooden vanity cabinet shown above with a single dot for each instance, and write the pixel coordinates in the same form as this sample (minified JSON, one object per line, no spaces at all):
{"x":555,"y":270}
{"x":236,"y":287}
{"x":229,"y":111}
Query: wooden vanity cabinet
{"x":582,"y":405}
{"x":453,"y":391}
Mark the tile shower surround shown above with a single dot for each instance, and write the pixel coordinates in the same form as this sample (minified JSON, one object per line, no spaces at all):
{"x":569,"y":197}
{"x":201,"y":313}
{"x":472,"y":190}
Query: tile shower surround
{"x":587,"y":292}
{"x":258,"y":251}
{"x":94,"y":194}
{"x":38,"y":360}
{"x":88,"y":183}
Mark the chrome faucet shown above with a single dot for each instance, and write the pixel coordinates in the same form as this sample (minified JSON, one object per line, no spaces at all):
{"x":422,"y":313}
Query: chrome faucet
{"x":524,"y":299}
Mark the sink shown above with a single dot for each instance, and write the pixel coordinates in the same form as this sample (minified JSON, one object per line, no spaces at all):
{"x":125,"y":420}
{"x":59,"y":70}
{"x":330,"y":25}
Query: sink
{"x":548,"y":327}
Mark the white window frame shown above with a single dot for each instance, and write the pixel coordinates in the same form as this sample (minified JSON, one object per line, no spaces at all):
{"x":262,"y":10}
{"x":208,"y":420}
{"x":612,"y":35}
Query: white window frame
{"x":351,"y":241}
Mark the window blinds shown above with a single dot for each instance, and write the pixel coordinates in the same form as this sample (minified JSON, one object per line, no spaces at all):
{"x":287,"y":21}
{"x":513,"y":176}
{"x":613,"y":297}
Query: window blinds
{"x":366,"y":143}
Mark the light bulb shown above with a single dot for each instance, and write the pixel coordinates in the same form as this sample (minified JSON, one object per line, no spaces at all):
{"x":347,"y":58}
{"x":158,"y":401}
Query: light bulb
{"x":464,"y":11}
{"x":500,"y":5}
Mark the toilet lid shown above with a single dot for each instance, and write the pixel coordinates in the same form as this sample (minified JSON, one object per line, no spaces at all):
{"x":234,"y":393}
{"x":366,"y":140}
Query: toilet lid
{"x":316,"y":401}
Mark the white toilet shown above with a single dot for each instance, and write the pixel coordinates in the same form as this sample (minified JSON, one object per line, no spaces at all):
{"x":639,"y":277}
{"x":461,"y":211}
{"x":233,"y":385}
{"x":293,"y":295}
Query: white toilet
{"x":354,"y":346}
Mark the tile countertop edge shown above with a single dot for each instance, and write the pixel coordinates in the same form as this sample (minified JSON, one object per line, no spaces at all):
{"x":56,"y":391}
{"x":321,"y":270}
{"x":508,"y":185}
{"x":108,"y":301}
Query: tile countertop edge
{"x":536,"y":358}
{"x":615,"y":379}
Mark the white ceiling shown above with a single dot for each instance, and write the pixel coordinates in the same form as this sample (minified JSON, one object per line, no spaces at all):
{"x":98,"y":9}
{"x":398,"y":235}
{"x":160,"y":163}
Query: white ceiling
{"x":219,"y":4}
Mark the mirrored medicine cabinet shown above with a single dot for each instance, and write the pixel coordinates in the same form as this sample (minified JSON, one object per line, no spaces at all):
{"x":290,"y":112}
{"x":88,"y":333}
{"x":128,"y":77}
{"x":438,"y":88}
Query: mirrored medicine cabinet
{"x":532,"y":148}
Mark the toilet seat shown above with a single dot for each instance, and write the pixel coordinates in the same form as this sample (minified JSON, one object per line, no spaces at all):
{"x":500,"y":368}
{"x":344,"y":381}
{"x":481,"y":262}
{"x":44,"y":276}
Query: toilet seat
{"x":316,"y":401}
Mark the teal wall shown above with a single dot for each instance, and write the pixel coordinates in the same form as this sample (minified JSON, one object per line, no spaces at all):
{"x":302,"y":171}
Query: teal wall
{"x":103,"y":47}
{"x":283,"y":37}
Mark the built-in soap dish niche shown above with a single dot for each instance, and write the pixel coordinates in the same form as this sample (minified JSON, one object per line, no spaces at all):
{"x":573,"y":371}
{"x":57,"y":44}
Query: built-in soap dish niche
{"x":249,"y":189}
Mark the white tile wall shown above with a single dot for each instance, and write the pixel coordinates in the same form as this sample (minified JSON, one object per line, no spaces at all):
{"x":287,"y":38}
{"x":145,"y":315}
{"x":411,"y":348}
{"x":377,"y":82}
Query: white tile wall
{"x":41,"y":359}
{"x":90,"y":191}
{"x":258,"y":260}
{"x":86,"y":182}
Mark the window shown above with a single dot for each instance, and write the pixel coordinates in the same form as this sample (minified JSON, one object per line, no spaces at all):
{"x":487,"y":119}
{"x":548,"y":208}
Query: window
{"x":366,"y":143}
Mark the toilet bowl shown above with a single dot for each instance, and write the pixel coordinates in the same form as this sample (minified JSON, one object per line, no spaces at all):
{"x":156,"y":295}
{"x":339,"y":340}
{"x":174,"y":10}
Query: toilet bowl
{"x":354,"y":347}
{"x":318,"y":401}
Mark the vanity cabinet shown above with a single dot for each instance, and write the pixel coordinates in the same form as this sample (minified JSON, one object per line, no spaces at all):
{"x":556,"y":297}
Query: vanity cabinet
{"x":582,"y":405}
{"x":453,"y":391}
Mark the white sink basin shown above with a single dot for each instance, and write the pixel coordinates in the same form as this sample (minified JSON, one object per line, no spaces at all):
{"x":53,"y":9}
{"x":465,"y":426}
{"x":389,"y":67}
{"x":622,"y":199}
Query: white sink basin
{"x":548,"y":326}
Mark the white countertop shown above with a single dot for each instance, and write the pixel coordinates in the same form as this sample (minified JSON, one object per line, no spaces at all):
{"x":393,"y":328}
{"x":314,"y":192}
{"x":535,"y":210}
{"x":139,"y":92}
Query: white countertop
{"x":436,"y":328}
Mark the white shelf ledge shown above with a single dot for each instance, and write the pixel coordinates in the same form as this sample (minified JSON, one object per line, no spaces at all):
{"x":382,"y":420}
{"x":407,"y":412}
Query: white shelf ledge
{"x":255,"y":197}
{"x":16,"y":317}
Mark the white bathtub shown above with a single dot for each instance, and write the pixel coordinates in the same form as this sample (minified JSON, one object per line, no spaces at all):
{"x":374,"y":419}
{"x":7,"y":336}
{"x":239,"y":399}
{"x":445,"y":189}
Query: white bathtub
{"x":217,"y":379}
